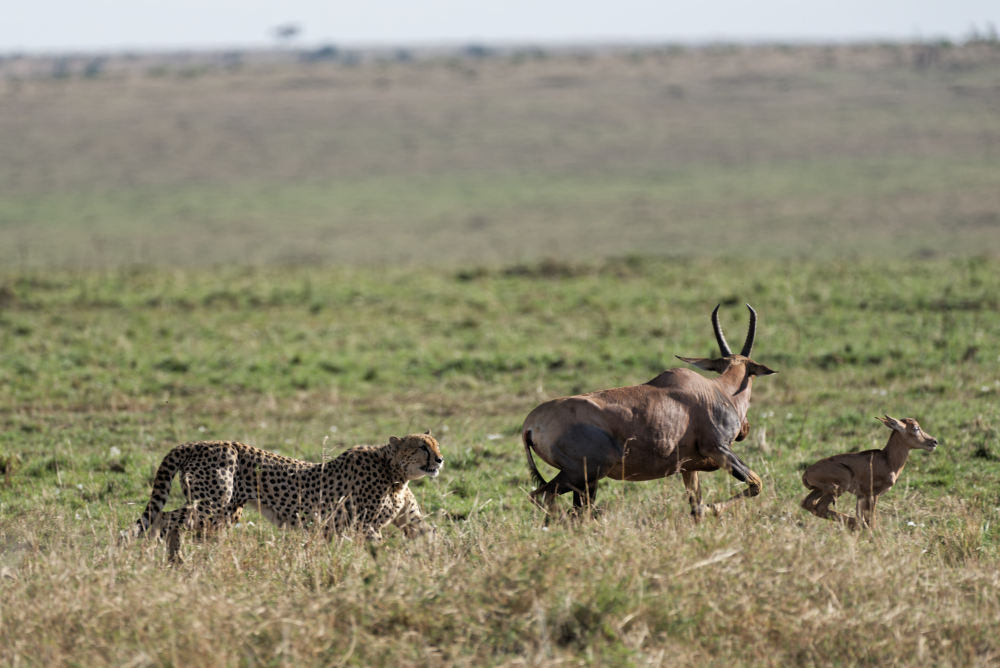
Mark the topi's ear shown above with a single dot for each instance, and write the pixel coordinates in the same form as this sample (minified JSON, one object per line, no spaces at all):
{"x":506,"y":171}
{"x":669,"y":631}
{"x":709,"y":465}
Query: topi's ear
{"x":393,"y":440}
{"x":757,"y":369}
{"x":717,"y":365}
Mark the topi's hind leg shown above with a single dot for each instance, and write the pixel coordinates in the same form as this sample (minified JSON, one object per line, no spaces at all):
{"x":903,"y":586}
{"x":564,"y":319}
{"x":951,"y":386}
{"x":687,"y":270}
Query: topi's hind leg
{"x":584,"y":491}
{"x":692,"y":485}
{"x":545,"y":496}
{"x":583,"y":499}
{"x":583,"y":454}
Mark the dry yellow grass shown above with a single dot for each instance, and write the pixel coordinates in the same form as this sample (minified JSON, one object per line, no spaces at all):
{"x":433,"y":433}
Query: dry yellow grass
{"x":640,"y":584}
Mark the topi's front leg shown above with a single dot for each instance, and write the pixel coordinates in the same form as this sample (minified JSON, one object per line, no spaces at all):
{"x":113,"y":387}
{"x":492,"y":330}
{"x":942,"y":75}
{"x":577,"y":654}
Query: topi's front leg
{"x":741,"y":472}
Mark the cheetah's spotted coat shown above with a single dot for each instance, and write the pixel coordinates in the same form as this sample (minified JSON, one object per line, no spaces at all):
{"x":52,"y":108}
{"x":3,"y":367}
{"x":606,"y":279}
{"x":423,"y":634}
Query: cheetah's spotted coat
{"x":364,"y":489}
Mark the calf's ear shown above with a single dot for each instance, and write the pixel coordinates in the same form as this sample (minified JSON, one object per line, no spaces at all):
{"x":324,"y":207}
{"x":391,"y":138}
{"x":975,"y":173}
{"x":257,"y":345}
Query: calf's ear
{"x":892,"y":423}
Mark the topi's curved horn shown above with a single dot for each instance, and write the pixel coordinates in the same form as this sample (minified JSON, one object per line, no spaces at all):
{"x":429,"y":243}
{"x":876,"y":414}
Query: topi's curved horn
{"x":751,"y":333}
{"x":719,"y":336}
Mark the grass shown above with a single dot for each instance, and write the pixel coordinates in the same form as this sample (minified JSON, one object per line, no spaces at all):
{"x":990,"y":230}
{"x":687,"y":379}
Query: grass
{"x":308,"y":361}
{"x":310,"y":257}
{"x":636,"y":586}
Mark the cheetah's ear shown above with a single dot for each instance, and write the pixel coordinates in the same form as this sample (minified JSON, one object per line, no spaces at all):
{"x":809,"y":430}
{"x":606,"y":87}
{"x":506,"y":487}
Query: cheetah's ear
{"x":393,"y":440}
{"x":427,"y":433}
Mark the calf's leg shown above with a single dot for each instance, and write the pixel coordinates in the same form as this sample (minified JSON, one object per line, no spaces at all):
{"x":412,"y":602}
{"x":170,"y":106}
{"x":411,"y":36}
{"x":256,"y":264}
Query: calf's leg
{"x":865,"y":512}
{"x":809,"y":503}
{"x":822,"y":509}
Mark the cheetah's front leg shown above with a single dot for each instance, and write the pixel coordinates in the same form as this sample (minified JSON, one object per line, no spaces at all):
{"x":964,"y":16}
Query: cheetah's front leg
{"x":409,"y":519}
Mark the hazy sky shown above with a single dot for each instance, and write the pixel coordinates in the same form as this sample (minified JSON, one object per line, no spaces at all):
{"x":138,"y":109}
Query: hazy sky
{"x":59,"y":25}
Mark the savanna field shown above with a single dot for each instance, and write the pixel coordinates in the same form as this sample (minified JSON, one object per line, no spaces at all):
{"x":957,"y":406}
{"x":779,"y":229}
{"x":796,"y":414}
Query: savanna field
{"x":307,"y":254}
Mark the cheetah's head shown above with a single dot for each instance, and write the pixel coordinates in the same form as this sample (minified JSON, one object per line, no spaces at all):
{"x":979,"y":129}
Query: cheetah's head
{"x":418,"y":455}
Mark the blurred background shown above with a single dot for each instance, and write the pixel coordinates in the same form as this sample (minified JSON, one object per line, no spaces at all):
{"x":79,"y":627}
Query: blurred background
{"x":486,"y":133}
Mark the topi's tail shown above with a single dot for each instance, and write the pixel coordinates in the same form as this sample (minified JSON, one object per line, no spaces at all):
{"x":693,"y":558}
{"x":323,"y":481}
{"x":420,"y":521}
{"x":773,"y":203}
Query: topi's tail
{"x":536,"y":477}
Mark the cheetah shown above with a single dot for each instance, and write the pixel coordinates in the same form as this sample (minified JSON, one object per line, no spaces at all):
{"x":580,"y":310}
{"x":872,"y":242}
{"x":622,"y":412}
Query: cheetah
{"x":363,"y":489}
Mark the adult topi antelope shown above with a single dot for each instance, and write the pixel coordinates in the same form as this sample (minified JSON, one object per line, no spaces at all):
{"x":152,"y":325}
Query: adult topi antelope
{"x":679,"y":421}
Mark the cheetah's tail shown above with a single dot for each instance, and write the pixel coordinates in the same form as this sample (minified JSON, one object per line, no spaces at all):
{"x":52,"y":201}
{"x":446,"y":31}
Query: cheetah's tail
{"x":172,"y":463}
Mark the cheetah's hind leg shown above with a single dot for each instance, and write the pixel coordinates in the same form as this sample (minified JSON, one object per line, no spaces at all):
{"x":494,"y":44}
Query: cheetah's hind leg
{"x":200,"y":519}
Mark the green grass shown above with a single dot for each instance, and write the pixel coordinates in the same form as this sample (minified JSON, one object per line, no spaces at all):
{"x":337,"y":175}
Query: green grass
{"x":816,"y":207}
{"x":107,"y":370}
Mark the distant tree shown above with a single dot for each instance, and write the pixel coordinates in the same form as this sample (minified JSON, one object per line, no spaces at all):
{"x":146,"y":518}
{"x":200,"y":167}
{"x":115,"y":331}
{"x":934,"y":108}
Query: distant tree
{"x":286,"y":32}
